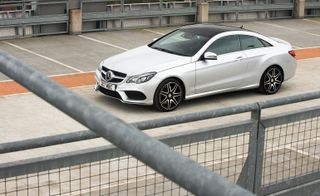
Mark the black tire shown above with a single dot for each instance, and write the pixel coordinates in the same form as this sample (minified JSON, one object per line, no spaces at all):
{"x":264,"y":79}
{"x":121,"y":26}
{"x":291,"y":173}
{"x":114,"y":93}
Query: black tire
{"x":271,"y":80}
{"x":168,"y":95}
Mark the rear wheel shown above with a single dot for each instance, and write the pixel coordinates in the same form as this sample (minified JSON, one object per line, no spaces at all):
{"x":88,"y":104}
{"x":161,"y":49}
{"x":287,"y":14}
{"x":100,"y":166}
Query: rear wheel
{"x":271,"y":80}
{"x":169,"y":95}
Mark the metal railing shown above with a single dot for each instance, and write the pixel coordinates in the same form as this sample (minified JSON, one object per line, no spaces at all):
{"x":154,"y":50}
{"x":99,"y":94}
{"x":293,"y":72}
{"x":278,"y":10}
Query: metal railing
{"x":180,"y":169}
{"x":241,"y":10}
{"x":25,"y":18}
{"x":33,"y":17}
{"x":102,"y":15}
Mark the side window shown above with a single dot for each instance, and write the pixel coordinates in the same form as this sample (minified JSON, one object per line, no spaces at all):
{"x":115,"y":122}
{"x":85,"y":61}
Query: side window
{"x":225,"y":45}
{"x":265,"y":43}
{"x":250,"y":42}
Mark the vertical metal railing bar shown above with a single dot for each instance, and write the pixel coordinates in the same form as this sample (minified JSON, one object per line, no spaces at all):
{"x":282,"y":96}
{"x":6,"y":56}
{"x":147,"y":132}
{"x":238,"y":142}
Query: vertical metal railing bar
{"x":152,"y":152}
{"x":260,"y":140}
{"x":248,"y":176}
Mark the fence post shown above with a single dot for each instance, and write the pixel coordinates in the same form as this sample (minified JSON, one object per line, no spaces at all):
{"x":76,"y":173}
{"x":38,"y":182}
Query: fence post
{"x":202,"y":12}
{"x":75,"y":21}
{"x":75,"y":17}
{"x":257,"y":181}
{"x":299,"y":6}
{"x":247,"y":176}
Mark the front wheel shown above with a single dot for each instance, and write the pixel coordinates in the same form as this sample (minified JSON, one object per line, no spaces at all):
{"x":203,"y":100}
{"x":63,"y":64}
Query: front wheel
{"x":271,"y":80}
{"x":168,"y":95}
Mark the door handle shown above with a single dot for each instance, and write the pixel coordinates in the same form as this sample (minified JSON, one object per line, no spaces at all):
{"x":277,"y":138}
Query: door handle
{"x":239,"y":58}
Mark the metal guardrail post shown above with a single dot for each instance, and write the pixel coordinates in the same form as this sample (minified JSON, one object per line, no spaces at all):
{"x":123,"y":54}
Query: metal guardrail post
{"x":259,"y":150}
{"x":248,"y":176}
{"x":152,"y":152}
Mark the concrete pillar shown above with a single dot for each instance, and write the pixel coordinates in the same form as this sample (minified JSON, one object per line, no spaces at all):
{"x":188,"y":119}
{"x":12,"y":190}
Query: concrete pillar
{"x":75,"y":21}
{"x":203,"y":12}
{"x":299,"y":6}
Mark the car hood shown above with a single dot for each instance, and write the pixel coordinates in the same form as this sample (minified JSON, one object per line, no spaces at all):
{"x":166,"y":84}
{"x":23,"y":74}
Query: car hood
{"x":144,"y":59}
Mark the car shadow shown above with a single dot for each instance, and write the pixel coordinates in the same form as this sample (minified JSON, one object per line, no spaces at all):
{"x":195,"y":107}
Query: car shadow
{"x":194,"y":105}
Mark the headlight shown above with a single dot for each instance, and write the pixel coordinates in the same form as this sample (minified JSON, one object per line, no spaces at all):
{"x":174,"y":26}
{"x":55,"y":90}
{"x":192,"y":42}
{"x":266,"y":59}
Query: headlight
{"x":141,"y":78}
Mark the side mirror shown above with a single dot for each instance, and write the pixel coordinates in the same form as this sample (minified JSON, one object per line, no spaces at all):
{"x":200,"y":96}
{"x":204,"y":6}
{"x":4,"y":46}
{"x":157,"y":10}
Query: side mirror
{"x":210,"y":56}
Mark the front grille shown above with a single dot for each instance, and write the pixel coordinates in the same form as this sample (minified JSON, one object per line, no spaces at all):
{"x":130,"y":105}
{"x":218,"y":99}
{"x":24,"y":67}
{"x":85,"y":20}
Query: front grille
{"x":116,"y":73}
{"x":118,"y":76}
{"x":116,"y":80}
{"x":110,"y":93}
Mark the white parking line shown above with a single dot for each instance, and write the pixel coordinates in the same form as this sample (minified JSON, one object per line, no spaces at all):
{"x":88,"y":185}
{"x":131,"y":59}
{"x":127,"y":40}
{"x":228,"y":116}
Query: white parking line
{"x":42,"y":56}
{"x":155,"y":32}
{"x":318,"y":22}
{"x":310,"y":47}
{"x":102,"y":42}
{"x":291,"y":29}
{"x":70,"y":74}
{"x":296,"y":47}
{"x":3,"y":81}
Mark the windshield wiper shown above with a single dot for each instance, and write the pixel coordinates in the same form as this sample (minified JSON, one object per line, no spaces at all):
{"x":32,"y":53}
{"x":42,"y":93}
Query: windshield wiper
{"x":168,"y":51}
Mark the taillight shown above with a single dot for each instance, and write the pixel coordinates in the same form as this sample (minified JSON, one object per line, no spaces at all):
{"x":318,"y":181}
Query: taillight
{"x":292,"y":53}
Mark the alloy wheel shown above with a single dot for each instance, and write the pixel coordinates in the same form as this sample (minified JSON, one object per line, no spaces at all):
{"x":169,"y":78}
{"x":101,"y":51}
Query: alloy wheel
{"x":168,"y":95}
{"x":272,"y":80}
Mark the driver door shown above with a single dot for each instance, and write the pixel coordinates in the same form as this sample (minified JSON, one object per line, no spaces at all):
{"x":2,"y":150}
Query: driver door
{"x":224,"y":73}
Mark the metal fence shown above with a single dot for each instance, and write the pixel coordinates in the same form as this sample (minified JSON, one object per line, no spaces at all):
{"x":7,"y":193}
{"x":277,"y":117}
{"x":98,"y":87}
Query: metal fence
{"x":312,"y":8}
{"x":264,"y":155}
{"x":33,"y":17}
{"x":123,"y":14}
{"x":241,"y":10}
{"x":23,"y":18}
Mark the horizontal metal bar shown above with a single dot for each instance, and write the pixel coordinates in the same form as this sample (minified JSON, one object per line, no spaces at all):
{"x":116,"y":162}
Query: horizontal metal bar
{"x":137,"y":14}
{"x":84,"y":135}
{"x":69,"y":159}
{"x":290,"y":183}
{"x":251,"y":8}
{"x":191,"y":117}
{"x":312,"y":5}
{"x":34,"y":20}
{"x":61,"y":160}
{"x":193,"y":136}
{"x":289,"y":100}
{"x":46,"y":141}
{"x":176,"y":167}
{"x":289,"y":117}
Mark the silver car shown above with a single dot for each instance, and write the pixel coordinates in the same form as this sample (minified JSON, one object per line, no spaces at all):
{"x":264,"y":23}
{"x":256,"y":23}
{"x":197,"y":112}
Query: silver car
{"x":195,"y":61}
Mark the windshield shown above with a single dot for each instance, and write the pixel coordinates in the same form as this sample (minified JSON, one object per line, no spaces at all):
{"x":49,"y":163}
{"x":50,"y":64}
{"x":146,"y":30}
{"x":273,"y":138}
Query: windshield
{"x":181,"y":42}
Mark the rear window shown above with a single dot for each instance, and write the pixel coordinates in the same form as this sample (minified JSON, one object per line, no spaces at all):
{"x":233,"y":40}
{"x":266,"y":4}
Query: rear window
{"x":251,"y":42}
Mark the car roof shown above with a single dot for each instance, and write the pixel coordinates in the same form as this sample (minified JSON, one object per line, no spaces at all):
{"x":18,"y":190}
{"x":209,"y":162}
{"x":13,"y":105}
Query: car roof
{"x":209,"y":30}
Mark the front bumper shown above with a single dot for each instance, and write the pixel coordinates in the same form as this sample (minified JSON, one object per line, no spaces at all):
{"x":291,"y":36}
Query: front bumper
{"x":141,"y":94}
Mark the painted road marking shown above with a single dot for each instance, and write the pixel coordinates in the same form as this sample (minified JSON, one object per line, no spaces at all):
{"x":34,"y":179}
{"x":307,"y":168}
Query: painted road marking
{"x":296,"y":47}
{"x":69,"y":81}
{"x":102,"y":42}
{"x":155,"y":32}
{"x":42,"y":56}
{"x":314,"y":21}
{"x":291,"y":29}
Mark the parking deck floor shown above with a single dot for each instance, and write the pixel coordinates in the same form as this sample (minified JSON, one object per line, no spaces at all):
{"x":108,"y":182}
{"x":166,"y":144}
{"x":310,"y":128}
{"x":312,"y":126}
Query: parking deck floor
{"x":71,"y":60}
